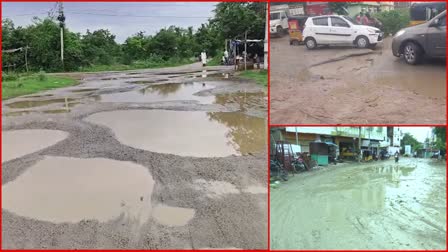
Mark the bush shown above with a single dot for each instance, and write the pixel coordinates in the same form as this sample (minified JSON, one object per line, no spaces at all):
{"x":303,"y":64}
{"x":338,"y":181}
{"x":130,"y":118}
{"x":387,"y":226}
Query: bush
{"x":10,"y":77}
{"x":393,"y":20}
{"x":42,"y":76}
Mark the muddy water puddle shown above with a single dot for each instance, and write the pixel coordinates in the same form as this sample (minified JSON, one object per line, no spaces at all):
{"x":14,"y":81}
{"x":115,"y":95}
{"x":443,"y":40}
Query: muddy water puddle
{"x":84,"y":90}
{"x":17,"y":143}
{"x":172,"y":216}
{"x":39,"y":103}
{"x":62,"y":189}
{"x":186,"y":133}
{"x":162,"y":92}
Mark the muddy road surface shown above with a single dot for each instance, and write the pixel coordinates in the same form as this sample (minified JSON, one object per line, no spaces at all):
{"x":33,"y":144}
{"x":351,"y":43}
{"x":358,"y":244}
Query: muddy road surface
{"x":170,"y":158}
{"x":350,"y":85}
{"x":379,"y":205}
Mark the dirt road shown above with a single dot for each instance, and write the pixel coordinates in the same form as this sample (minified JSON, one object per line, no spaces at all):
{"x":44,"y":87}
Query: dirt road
{"x":379,"y":205}
{"x":150,"y":159}
{"x":348,"y":85}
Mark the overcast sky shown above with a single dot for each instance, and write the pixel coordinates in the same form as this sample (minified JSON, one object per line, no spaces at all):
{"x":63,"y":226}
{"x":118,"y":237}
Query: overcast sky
{"x":115,"y":16}
{"x":420,"y":133}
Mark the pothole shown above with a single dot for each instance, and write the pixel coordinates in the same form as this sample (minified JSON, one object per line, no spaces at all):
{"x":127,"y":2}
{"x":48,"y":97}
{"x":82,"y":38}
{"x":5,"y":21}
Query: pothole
{"x":215,"y":189}
{"x":17,"y":143}
{"x":63,"y":189}
{"x":162,"y":92}
{"x":186,"y":133}
{"x":172,"y":216}
{"x":37,"y":103}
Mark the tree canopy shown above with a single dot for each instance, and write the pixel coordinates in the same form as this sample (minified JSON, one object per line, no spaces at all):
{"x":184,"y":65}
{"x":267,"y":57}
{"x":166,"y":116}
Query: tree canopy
{"x":42,"y":37}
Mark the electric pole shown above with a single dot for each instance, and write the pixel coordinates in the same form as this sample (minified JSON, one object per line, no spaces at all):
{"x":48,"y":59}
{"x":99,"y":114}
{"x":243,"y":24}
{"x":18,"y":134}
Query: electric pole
{"x":61,"y":19}
{"x":265,"y":63}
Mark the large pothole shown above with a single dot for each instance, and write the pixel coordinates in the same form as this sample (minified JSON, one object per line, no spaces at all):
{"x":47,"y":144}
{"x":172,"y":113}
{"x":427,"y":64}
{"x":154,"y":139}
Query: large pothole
{"x":17,"y":143}
{"x":63,"y":189}
{"x":186,"y":133}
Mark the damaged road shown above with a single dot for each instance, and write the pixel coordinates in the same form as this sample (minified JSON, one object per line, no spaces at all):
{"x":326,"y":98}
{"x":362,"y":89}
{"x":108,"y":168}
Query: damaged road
{"x":378,"y":205}
{"x":111,"y":163}
{"x":350,"y":85}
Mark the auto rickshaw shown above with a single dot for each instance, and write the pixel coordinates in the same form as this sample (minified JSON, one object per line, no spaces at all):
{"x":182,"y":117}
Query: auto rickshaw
{"x":295,"y":28}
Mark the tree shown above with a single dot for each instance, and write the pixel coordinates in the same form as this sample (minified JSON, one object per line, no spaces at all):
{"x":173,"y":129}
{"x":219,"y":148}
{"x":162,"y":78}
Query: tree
{"x":440,"y":134}
{"x":409,"y":139}
{"x":393,"y":20}
{"x":339,"y":8}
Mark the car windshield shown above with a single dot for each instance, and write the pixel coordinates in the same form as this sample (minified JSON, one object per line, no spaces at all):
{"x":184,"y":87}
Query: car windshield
{"x":351,"y":20}
{"x":275,"y":16}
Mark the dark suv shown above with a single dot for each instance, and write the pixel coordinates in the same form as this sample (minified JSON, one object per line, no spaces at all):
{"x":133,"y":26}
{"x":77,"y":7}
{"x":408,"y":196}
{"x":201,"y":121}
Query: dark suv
{"x":427,"y":39}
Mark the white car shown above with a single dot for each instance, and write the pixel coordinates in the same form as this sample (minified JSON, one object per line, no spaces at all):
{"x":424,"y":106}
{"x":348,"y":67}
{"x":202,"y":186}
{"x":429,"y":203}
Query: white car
{"x":339,"y":30}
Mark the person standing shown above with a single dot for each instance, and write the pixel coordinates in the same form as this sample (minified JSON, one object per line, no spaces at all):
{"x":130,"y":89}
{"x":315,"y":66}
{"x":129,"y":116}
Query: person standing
{"x":359,"y":17}
{"x":397,"y":154}
{"x":204,"y":58}
{"x":226,"y":56}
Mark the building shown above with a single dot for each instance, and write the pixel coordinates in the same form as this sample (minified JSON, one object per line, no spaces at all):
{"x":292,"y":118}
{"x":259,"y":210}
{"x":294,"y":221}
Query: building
{"x":402,"y":5}
{"x":349,"y":140}
{"x":355,"y":8}
{"x":317,"y":8}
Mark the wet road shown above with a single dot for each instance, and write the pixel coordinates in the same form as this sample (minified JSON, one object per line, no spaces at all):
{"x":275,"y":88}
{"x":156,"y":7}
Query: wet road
{"x":350,"y":85}
{"x":379,"y":205}
{"x":166,"y":158}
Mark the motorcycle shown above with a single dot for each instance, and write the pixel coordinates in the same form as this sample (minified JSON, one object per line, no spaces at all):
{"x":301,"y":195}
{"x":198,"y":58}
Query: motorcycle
{"x":277,"y":170}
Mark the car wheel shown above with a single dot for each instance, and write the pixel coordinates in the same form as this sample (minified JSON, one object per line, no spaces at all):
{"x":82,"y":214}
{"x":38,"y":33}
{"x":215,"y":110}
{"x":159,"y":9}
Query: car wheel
{"x":279,"y":30}
{"x":362,"y":42}
{"x":310,"y":43}
{"x":412,"y":53}
{"x":295,"y":43}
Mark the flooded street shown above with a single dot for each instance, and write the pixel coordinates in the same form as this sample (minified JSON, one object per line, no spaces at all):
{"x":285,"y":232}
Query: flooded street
{"x":377,"y":205}
{"x":167,"y":158}
{"x":350,"y":85}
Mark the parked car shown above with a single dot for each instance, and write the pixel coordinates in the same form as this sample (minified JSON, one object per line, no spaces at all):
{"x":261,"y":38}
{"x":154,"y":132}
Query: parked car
{"x":339,"y":30}
{"x":416,"y":42}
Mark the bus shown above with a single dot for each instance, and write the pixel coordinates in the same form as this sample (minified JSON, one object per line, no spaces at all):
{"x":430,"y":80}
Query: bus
{"x":423,"y":11}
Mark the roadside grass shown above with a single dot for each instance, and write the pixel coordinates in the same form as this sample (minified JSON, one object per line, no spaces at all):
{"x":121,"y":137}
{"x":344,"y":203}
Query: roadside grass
{"x":33,"y":83}
{"x":136,"y":65}
{"x":259,"y":76}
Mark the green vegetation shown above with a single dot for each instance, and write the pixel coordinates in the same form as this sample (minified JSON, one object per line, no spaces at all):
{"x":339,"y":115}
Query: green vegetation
{"x":97,"y":50}
{"x":393,"y":20}
{"x":29,"y":84}
{"x":409,"y":139}
{"x":440,"y":133}
{"x":260,"y":76}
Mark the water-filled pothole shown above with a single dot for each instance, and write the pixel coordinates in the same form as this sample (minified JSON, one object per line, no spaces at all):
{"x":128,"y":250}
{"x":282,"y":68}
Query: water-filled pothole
{"x":38,"y":103}
{"x":17,"y":143}
{"x":186,"y":133}
{"x":172,"y":216}
{"x":62,"y":189}
{"x":162,"y":92}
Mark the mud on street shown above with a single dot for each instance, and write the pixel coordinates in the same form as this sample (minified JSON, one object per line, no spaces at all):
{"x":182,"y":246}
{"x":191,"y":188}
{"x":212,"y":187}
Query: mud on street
{"x":377,"y":205}
{"x":350,"y":85}
{"x":145,"y":159}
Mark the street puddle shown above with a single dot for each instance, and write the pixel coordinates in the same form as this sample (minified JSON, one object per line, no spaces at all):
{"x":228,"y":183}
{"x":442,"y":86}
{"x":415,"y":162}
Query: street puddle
{"x":215,"y":189}
{"x":392,"y":173}
{"x":162,"y":92}
{"x":17,"y":143}
{"x":84,"y":90}
{"x":172,"y":216}
{"x":17,"y":113}
{"x":256,"y":190}
{"x":63,"y":189}
{"x":243,"y":99}
{"x":186,"y":133}
{"x":37,"y":103}
{"x":38,"y":96}
{"x":148,"y":81}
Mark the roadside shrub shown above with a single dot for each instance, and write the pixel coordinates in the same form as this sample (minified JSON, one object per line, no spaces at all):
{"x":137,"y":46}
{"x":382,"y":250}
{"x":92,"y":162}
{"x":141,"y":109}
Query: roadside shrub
{"x":393,"y":20}
{"x":9,"y":77}
{"x":42,"y":76}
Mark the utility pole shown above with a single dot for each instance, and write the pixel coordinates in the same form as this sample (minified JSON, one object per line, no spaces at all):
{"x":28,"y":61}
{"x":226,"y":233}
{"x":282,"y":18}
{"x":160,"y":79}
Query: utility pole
{"x":61,"y":19}
{"x":26,"y":58}
{"x":359,"y":143}
{"x":266,"y":30}
{"x":245,"y":51}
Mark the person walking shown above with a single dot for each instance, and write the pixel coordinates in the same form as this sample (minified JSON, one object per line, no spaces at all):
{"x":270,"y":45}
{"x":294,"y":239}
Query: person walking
{"x":226,"y":57}
{"x":397,"y":155}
